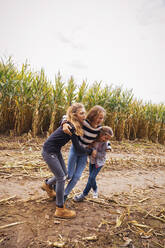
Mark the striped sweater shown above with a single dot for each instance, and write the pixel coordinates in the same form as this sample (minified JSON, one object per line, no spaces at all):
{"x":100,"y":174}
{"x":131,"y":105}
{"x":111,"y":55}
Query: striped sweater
{"x":90,"y":134}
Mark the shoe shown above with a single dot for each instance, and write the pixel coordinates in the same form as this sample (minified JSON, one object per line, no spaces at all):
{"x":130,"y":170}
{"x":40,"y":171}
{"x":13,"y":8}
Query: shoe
{"x":95,"y":194}
{"x":65,"y":197}
{"x":64,"y":213}
{"x":51,"y":193}
{"x":79,"y":198}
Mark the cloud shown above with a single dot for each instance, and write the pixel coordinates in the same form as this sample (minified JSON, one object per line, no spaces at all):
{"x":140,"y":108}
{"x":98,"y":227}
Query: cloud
{"x":70,"y":41}
{"x":151,"y":11}
{"x":64,"y":39}
{"x":78,"y":64}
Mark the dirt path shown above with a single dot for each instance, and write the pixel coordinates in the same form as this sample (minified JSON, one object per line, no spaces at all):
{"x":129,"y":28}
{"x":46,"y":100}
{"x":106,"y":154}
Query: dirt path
{"x":130,"y":207}
{"x":109,"y":183}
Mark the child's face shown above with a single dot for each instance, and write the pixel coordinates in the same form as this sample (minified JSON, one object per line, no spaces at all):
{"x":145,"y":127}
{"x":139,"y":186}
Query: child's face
{"x":105,"y":137}
{"x":98,"y":120}
{"x":81,"y":115}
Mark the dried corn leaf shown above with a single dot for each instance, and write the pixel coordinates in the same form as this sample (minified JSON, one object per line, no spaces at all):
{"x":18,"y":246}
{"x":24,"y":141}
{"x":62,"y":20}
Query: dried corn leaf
{"x":135,"y":223}
{"x":145,"y":199}
{"x":103,"y":222}
{"x":119,"y":220}
{"x":7,"y":199}
{"x":11,"y":224}
{"x":90,"y":238}
{"x":56,"y":244}
{"x":1,"y":240}
{"x":127,"y":243}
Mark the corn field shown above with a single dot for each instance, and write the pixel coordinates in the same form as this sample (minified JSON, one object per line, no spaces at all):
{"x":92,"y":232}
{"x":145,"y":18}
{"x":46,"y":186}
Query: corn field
{"x":29,"y":102}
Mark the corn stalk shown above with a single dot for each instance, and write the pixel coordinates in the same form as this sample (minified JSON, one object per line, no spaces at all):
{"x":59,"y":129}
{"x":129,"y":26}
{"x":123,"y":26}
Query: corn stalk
{"x":143,"y":123}
{"x":70,"y":92}
{"x":154,"y":116}
{"x":82,"y":92}
{"x":28,"y":101}
{"x":41,"y":100}
{"x":58,"y":103}
{"x":133,"y":120}
{"x":93,"y":95}
{"x":124,"y":100}
{"x":8,"y":74}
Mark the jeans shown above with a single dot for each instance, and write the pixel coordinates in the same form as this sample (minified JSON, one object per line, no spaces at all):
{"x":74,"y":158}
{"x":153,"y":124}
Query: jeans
{"x":76,"y":166}
{"x":57,"y":166}
{"x":93,"y":172}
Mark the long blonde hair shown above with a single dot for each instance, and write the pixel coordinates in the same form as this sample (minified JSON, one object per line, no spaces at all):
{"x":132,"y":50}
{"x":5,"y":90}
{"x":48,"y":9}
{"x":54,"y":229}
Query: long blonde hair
{"x":72,"y":117}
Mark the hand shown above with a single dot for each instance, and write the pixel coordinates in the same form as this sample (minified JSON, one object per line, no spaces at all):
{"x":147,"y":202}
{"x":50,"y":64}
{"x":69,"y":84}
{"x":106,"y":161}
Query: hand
{"x":92,"y":145}
{"x":66,"y":128}
{"x":109,"y":150}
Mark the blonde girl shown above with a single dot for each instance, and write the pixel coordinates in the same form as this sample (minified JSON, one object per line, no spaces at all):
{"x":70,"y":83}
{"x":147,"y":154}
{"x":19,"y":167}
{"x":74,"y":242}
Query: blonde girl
{"x":53,"y":157}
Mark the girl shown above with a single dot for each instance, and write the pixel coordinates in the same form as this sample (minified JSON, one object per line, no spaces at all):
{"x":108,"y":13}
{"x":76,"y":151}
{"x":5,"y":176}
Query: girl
{"x":53,"y":157}
{"x":77,"y":161}
{"x":96,"y":163}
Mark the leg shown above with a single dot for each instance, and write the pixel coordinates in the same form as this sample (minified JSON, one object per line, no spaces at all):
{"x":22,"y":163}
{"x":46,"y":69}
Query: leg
{"x":89,"y":183}
{"x":60,"y":182}
{"x":63,"y":167}
{"x":91,"y":178}
{"x":94,"y":175}
{"x":93,"y":171}
{"x":72,"y":162}
{"x":57,"y":166}
{"x":81,"y":163}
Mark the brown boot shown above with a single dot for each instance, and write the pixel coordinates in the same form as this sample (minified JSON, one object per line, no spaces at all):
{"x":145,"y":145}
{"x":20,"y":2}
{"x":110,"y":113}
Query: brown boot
{"x":64,"y":213}
{"x":51,"y":193}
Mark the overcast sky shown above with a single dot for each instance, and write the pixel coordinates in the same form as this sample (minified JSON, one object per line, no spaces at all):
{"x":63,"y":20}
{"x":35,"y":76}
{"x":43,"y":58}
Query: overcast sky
{"x":119,"y":42}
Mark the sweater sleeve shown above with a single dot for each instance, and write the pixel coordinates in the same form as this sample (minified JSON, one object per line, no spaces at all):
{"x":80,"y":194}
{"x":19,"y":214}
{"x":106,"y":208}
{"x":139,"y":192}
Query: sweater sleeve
{"x":101,"y":150}
{"x":80,"y":149}
{"x":108,"y":146}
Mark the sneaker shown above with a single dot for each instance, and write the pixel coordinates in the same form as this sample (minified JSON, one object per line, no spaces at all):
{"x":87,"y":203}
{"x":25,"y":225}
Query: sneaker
{"x":65,"y":197}
{"x":79,"y":198}
{"x":95,"y":194}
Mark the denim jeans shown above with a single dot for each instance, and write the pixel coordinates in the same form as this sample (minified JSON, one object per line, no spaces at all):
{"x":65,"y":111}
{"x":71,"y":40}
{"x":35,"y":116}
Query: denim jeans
{"x":57,"y":166}
{"x":76,"y":166}
{"x":93,"y":172}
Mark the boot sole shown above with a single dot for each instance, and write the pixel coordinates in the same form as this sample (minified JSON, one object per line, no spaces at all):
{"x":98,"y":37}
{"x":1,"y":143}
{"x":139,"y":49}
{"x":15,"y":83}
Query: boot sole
{"x":62,"y":217}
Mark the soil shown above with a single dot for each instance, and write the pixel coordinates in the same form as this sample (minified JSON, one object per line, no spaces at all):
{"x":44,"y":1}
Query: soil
{"x":130,"y":210}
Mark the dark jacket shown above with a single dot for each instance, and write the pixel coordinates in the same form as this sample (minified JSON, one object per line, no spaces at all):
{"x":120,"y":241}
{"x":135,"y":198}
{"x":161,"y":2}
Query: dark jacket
{"x":58,"y":139}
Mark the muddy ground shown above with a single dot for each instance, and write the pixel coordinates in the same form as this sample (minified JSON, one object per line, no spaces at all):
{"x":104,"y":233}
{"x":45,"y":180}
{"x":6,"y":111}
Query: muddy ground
{"x":130,"y":210}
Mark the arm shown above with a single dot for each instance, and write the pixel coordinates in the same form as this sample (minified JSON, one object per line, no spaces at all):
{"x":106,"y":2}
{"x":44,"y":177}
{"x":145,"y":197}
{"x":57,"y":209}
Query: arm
{"x":65,"y":125}
{"x":101,"y":150}
{"x":80,"y":149}
{"x":66,"y":128}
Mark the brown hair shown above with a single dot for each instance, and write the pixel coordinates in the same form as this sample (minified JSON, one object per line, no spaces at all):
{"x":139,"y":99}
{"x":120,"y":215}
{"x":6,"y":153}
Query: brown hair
{"x":72,"y":117}
{"x":105,"y":130}
{"x":94,"y":112}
